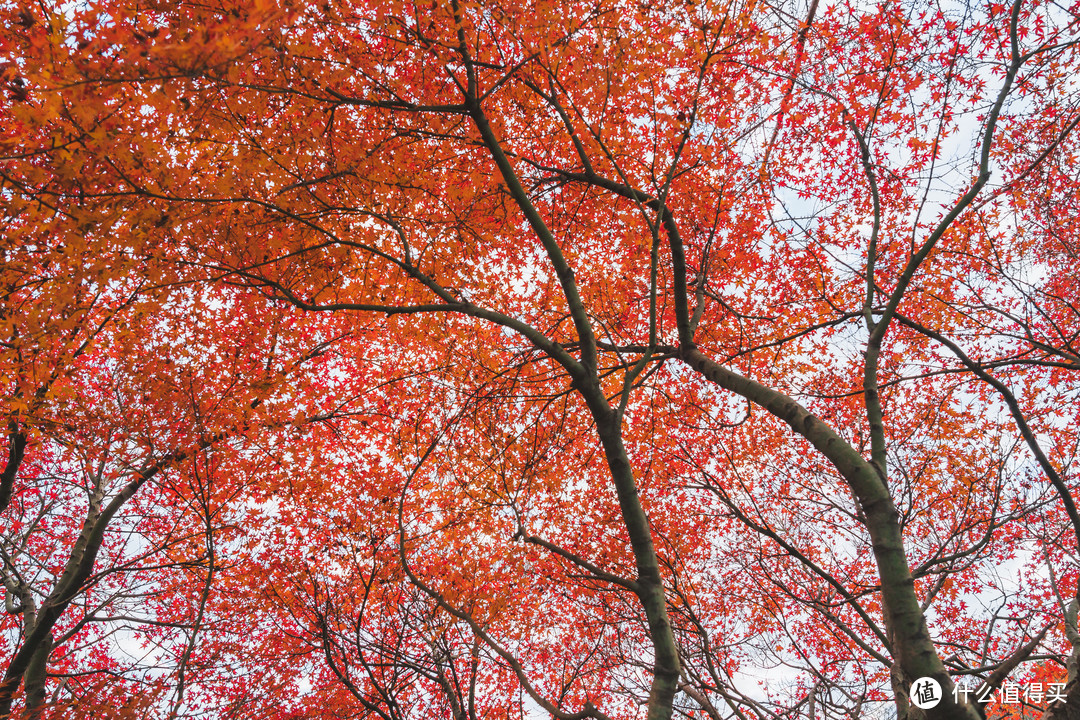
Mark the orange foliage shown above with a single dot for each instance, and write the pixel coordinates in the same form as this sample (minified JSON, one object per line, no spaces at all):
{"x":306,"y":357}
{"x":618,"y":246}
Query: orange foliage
{"x":477,"y":359}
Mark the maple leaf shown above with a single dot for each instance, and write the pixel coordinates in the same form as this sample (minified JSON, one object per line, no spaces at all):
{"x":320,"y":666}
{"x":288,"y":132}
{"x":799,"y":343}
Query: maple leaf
{"x":424,"y":359}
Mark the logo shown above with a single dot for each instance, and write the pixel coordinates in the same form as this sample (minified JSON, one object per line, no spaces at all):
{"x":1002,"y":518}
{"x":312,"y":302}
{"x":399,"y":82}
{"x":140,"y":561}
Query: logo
{"x":925,"y":693}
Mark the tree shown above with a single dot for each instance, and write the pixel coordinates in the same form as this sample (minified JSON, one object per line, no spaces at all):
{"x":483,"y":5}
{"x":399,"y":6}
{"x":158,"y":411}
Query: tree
{"x":656,"y":340}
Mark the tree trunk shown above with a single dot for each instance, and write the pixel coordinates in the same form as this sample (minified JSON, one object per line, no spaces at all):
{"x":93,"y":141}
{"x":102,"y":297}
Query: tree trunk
{"x":34,"y":679}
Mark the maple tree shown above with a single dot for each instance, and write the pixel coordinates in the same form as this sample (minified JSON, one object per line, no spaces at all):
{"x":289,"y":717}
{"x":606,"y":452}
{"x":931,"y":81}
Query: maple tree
{"x":579,"y":359}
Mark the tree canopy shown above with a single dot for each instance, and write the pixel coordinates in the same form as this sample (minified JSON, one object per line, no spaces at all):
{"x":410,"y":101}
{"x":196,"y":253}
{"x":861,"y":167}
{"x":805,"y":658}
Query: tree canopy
{"x":565,"y":359}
